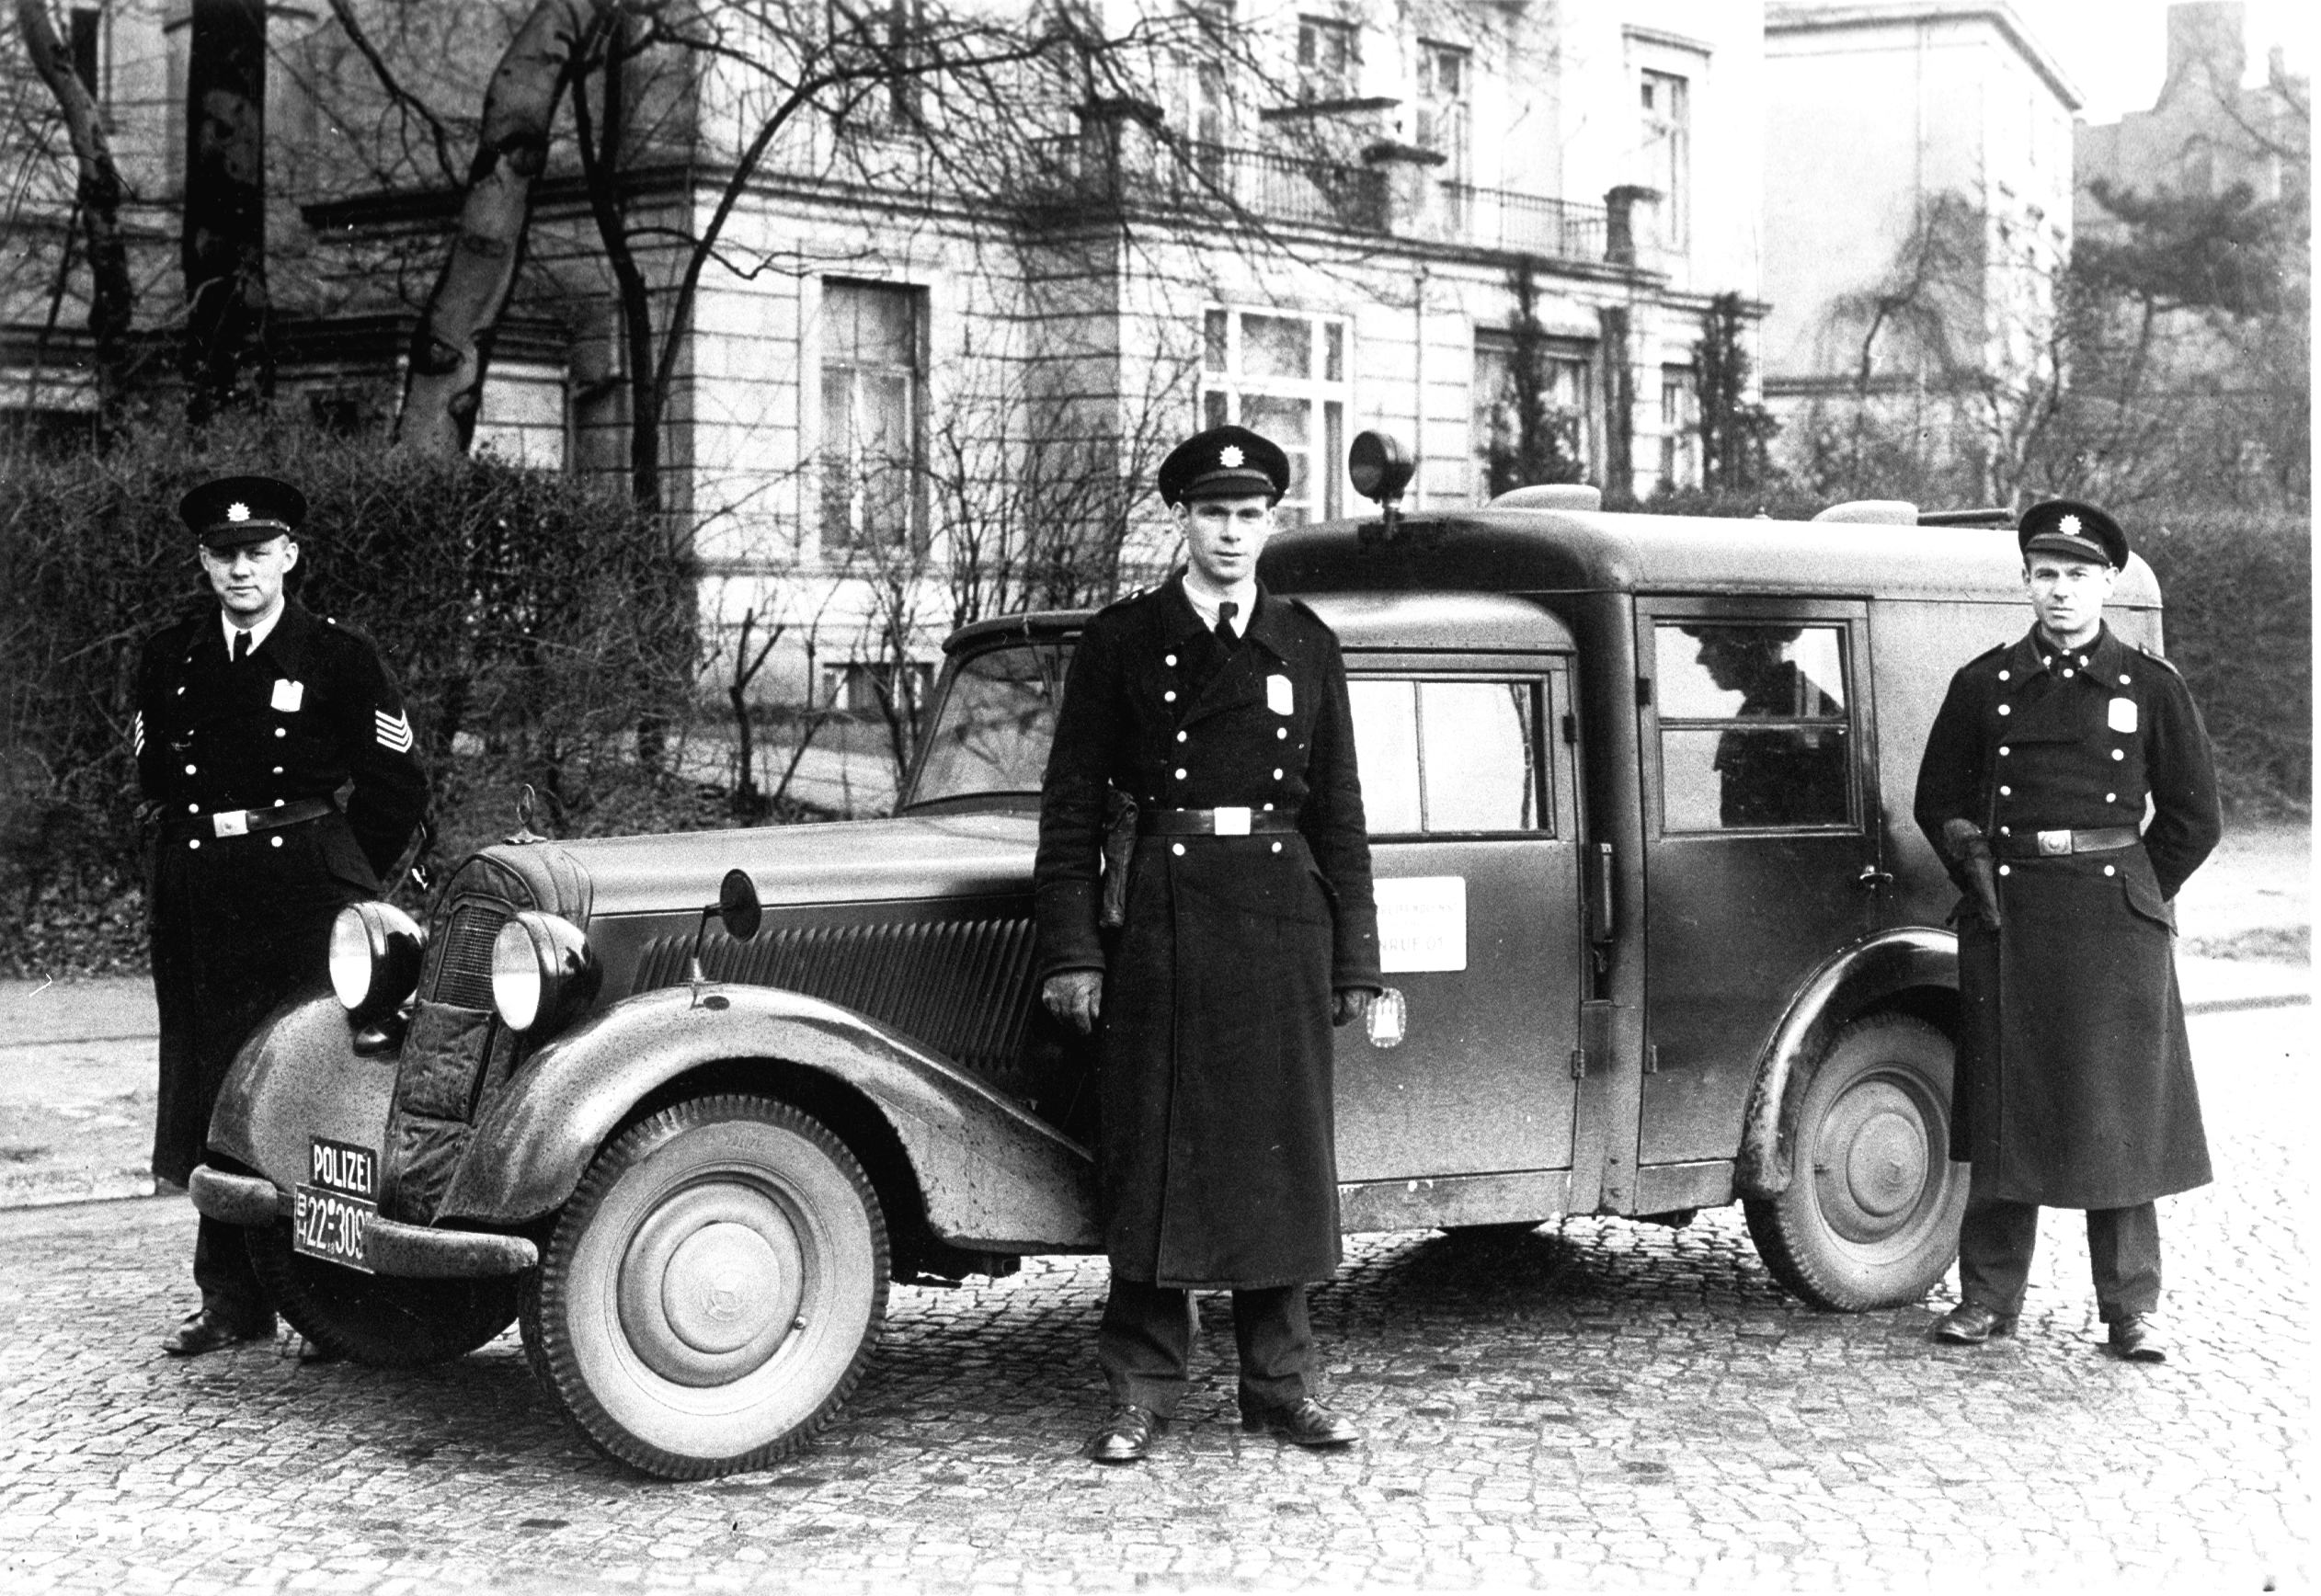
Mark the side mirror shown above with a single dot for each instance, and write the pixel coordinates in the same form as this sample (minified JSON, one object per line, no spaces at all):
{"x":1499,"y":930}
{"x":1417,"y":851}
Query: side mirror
{"x":739,"y":909}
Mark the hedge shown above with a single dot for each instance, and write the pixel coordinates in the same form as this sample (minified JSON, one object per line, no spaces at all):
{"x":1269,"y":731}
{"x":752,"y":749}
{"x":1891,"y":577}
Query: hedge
{"x":535,"y":622}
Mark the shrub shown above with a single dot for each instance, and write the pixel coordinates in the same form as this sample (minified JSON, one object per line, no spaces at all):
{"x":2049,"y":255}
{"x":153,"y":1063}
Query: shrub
{"x":535,"y":622}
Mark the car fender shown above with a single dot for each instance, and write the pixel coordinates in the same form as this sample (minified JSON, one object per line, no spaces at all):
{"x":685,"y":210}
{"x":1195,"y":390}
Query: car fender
{"x":992,"y":1176}
{"x":297,"y":1077}
{"x":1850,"y":981}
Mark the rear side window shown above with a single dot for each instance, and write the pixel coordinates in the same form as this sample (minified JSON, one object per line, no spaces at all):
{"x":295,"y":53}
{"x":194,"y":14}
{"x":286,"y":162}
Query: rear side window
{"x":1449,"y":755}
{"x":1756,"y":726}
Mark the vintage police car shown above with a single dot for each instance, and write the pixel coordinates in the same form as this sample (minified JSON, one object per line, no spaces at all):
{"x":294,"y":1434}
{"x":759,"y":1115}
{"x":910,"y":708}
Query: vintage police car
{"x":1662,"y":934}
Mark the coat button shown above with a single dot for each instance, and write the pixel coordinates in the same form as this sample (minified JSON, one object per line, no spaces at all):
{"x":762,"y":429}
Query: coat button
{"x":2007,"y":791}
{"x":1276,"y":848}
{"x":2007,"y":709}
{"x":1269,"y":806}
{"x":282,"y":732}
{"x":2006,"y":831}
{"x":278,"y":769}
{"x":275,"y":840}
{"x":181,"y":692}
{"x":1278,"y":773}
{"x":2004,"y":674}
{"x":1177,"y":847}
{"x":2108,"y":871}
{"x":2067,"y":670}
{"x":2124,"y":679}
{"x":193,"y":808}
{"x":1169,"y":697}
{"x":2111,"y":797}
{"x":188,"y":769}
{"x":195,"y":843}
{"x":2118,"y":754}
{"x":278,"y":802}
{"x":2004,"y":750}
{"x":2006,"y":869}
{"x":1180,"y":736}
{"x":1170,"y":660}
{"x":1281,"y":730}
{"x":1180,"y":772}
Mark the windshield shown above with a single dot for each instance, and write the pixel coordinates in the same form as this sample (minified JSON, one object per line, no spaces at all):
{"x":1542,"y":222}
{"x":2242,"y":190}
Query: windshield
{"x":990,"y":734}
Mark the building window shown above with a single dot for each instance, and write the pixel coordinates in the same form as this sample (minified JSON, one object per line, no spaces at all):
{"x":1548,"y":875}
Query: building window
{"x":1561,"y":451}
{"x":1285,"y":377}
{"x":868,"y":688}
{"x":1329,"y":58}
{"x":1679,"y":428}
{"x":872,"y":378}
{"x":1667,"y":111}
{"x":1446,"y":78}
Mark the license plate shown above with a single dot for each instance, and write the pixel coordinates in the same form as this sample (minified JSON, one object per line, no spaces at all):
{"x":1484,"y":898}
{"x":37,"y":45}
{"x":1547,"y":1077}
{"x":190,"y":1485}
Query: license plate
{"x":331,"y":1214}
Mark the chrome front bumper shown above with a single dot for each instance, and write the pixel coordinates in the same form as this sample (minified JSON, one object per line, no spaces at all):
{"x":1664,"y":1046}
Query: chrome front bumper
{"x":414,"y":1252}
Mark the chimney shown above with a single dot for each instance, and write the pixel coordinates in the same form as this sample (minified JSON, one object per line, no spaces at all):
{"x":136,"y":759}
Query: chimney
{"x":2206,"y":37}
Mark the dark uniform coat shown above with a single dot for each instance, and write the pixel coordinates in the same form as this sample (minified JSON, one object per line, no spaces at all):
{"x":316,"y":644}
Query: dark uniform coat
{"x":1217,"y":1154}
{"x":2075,"y":1085}
{"x":241,"y":922}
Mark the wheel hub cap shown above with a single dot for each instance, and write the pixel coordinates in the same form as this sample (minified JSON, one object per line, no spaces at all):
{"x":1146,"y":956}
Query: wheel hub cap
{"x":1874,"y":1161}
{"x":711,"y":1284}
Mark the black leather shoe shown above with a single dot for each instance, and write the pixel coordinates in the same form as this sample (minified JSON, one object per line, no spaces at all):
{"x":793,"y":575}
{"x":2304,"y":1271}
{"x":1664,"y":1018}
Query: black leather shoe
{"x":1127,"y":1434}
{"x":1971,"y":1324}
{"x":311,"y":1351}
{"x":1304,"y":1423}
{"x":2138,"y":1340}
{"x":206,"y":1332}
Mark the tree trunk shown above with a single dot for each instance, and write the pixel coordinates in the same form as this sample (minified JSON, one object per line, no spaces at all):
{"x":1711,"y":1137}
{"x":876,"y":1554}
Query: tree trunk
{"x":225,"y":360}
{"x":452,"y":345}
{"x":601,"y":161}
{"x":111,"y":300}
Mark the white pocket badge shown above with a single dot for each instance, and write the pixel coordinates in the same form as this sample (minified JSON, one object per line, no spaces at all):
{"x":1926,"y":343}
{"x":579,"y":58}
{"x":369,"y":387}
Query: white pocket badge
{"x":1277,"y":695}
{"x":2123,"y":716}
{"x":289,"y":695}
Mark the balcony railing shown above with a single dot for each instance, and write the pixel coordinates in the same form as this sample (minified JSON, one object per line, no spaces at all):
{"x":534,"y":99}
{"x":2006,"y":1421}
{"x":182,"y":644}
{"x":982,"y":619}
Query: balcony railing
{"x":1496,"y":219}
{"x":1310,"y":192}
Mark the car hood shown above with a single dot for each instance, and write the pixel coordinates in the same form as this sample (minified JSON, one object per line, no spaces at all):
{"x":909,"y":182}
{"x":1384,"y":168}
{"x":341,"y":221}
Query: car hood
{"x":844,"y":862}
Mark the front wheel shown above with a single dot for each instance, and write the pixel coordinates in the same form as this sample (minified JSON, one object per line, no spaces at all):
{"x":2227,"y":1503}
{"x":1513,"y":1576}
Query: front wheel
{"x":380,"y":1320}
{"x":1870,"y":1218}
{"x":711,"y":1294}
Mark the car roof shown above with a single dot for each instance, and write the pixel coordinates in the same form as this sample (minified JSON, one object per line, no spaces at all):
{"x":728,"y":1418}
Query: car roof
{"x":1534,"y":551}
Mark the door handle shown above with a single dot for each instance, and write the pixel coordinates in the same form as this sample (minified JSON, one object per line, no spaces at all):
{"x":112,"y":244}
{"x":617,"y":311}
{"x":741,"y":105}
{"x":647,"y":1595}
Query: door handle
{"x":1872,"y":878}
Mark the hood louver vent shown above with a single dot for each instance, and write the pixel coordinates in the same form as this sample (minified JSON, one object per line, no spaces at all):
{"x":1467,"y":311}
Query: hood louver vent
{"x":960,"y":986}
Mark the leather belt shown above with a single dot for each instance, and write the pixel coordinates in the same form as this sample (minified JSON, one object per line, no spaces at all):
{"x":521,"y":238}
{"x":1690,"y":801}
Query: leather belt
{"x":1211,"y":822}
{"x":2065,"y":840}
{"x":242,"y":822}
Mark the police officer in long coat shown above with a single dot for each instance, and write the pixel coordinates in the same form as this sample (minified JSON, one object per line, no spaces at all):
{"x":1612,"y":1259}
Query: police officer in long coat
{"x":2075,"y":1084}
{"x":1220,"y":713}
{"x":251,"y":715}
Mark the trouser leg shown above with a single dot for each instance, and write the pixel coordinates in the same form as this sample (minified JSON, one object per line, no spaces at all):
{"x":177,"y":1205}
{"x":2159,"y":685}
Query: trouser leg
{"x":2124,"y":1251}
{"x":230,"y":1286}
{"x":1276,"y":1344}
{"x":1996,"y":1240}
{"x":1145,"y":1343}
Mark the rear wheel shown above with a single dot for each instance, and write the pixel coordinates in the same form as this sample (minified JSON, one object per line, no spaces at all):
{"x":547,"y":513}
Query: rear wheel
{"x":385,"y":1321}
{"x":711,"y":1294}
{"x":1870,"y":1218}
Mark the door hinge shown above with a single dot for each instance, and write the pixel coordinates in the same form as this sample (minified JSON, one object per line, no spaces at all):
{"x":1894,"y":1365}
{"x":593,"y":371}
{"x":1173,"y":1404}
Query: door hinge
{"x":1570,"y":728}
{"x":1652,"y":1058}
{"x":1579,"y":1063}
{"x":1643,"y":692}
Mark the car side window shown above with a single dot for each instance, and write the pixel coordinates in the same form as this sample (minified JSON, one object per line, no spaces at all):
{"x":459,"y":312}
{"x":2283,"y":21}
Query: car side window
{"x":1450,"y":754}
{"x":1756,"y":726}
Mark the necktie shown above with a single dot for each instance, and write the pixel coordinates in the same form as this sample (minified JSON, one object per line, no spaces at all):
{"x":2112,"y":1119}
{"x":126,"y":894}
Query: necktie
{"x":1225,"y":613}
{"x":241,"y":646}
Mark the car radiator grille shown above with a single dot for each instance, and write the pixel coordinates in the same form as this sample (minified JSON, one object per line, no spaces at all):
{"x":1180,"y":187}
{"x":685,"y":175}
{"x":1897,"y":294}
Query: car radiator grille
{"x":464,"y":977}
{"x":963,"y":988}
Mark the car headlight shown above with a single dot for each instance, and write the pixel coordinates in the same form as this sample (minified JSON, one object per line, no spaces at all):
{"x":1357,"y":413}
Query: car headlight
{"x":374,"y":960}
{"x":542,"y":973}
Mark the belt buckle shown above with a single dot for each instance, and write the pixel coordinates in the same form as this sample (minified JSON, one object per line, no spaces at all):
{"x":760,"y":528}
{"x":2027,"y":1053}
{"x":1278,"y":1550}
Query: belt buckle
{"x":2052,"y":843}
{"x":1229,"y":822}
{"x":230,"y":822}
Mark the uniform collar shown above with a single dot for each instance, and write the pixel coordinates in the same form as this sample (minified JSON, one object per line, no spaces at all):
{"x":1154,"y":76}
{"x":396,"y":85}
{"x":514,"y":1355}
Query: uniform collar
{"x":258,"y":633}
{"x":291,"y":644}
{"x":2101,"y":655}
{"x":1265,"y":625}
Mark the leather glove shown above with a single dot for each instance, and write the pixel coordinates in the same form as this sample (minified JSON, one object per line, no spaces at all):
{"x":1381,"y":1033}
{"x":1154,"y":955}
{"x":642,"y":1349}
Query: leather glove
{"x":1076,"y":997}
{"x":1348,"y":1004}
{"x":1972,"y":850}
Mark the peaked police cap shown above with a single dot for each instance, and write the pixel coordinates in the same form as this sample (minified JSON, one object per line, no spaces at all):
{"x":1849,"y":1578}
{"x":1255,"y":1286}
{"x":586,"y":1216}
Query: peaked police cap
{"x":1224,"y":462}
{"x":2068,"y":527}
{"x":231,"y":510}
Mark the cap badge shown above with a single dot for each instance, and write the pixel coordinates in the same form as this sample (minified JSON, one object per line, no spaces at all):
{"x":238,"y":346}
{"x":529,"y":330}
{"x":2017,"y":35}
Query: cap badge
{"x":237,"y":512}
{"x":1230,"y":457}
{"x":2069,"y":526}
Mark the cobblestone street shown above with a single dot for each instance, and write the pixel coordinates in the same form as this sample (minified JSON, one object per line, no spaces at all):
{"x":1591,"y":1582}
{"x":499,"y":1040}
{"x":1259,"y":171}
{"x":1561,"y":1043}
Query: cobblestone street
{"x":1599,"y":1403}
